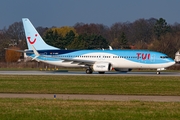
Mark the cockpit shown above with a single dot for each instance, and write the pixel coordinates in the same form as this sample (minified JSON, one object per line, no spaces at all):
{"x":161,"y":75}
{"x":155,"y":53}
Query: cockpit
{"x":163,"y":57}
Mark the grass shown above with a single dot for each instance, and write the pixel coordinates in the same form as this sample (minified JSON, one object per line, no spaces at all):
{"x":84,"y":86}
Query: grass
{"x":134,"y":85}
{"x":36,"y":109}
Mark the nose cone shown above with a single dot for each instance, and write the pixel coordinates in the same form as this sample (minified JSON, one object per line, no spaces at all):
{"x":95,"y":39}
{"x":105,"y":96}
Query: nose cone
{"x":171,"y":62}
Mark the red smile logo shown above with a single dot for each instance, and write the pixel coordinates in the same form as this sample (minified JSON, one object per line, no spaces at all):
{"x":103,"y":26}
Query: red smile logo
{"x":32,"y":42}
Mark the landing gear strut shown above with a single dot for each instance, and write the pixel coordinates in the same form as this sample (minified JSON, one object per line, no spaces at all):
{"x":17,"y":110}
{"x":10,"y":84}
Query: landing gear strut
{"x":158,"y":72}
{"x":89,"y":71}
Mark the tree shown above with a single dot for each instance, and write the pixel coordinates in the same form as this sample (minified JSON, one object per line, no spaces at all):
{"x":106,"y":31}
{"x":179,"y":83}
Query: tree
{"x":16,"y":33}
{"x":53,"y":38}
{"x":70,"y":36}
{"x":60,"y":37}
{"x":115,"y":31}
{"x":175,"y":28}
{"x":141,"y":30}
{"x":4,"y":43}
{"x":168,"y":44}
{"x":90,"y":29}
{"x":41,"y":30}
{"x":115,"y":43}
{"x":64,"y":30}
{"x":124,"y":41}
{"x":161,"y":27}
{"x":85,"y":41}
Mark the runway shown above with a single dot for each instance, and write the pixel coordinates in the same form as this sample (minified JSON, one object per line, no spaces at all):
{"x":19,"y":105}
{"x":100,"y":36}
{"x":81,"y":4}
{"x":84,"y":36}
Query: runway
{"x":94,"y":97}
{"x":83,"y":73}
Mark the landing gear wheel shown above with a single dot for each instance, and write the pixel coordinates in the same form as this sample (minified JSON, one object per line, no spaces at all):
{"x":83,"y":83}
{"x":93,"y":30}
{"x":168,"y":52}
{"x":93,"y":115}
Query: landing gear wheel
{"x":158,"y":73}
{"x":101,"y":72}
{"x":89,"y":71}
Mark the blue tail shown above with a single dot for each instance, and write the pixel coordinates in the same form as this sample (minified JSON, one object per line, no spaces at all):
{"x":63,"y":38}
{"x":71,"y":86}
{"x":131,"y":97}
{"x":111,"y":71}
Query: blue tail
{"x":33,"y":38}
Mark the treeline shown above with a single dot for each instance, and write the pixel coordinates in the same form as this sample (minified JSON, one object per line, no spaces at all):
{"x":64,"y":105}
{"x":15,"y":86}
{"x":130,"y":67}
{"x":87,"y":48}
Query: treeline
{"x":152,"y":34}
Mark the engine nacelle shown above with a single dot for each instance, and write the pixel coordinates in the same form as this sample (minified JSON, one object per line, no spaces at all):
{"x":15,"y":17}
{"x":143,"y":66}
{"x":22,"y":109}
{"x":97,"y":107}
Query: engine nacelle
{"x":122,"y":69}
{"x":102,"y":67}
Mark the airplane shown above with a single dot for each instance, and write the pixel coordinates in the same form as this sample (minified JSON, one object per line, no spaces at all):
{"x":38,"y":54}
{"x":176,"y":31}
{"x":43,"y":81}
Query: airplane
{"x":100,"y":61}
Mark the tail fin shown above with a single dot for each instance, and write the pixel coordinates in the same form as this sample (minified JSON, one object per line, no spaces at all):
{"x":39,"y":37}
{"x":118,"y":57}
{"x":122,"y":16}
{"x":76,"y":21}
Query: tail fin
{"x":33,"y":37}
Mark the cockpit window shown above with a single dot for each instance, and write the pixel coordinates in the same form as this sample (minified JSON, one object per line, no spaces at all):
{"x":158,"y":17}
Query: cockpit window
{"x":163,"y":57}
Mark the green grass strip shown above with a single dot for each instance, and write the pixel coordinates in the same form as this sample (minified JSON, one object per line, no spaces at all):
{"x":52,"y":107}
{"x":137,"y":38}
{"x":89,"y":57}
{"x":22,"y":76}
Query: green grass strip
{"x":45,"y":109}
{"x":134,"y":85}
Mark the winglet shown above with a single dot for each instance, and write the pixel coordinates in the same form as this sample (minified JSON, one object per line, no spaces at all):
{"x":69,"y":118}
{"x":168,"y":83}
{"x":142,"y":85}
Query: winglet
{"x":110,"y":48}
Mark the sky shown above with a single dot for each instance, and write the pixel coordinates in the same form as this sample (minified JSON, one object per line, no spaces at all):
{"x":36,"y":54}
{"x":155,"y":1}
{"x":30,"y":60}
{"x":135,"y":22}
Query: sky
{"x":48,"y":13}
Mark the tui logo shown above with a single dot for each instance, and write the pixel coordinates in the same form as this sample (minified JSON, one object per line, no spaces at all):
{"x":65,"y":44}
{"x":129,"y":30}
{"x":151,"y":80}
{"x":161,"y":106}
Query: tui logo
{"x":143,"y":56}
{"x":32,"y":42}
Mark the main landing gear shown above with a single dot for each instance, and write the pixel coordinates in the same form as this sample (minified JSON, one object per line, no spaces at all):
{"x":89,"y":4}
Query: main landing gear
{"x":89,"y":71}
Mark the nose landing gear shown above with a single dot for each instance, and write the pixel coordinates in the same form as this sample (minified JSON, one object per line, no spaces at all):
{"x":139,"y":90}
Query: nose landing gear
{"x":158,"y":72}
{"x":160,"y":69}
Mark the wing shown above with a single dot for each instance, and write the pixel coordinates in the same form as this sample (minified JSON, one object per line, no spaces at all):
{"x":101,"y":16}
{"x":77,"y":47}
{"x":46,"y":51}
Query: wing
{"x":78,"y":61}
{"x":72,"y":60}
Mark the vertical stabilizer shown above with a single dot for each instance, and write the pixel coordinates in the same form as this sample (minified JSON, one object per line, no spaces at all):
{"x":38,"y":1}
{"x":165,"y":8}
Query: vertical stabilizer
{"x":33,"y":37}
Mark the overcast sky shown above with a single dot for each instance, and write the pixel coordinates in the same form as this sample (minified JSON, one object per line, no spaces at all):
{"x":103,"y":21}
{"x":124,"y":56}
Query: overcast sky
{"x":48,"y":13}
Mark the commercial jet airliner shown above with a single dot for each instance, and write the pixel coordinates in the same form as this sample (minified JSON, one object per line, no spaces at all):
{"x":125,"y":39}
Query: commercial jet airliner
{"x":93,"y":60}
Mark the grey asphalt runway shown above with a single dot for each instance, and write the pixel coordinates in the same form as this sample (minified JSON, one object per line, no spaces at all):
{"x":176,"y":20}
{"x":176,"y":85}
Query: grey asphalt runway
{"x":92,"y":97}
{"x":83,"y":73}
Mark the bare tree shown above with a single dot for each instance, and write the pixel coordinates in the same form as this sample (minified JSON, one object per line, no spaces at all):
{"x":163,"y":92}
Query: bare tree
{"x":141,"y":30}
{"x":16,"y":33}
{"x":41,"y":30}
{"x":4,"y":40}
{"x":89,"y":29}
{"x":168,"y":44}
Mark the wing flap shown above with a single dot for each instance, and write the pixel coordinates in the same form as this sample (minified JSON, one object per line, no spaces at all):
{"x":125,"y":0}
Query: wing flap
{"x":78,"y":61}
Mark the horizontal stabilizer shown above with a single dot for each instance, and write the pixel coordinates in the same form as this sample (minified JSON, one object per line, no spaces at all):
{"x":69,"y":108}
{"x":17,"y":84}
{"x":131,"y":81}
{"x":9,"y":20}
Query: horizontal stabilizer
{"x":22,"y":51}
{"x":36,"y":53}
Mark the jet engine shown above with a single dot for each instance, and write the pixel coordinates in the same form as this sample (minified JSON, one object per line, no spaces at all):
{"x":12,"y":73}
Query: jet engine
{"x":102,"y":67}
